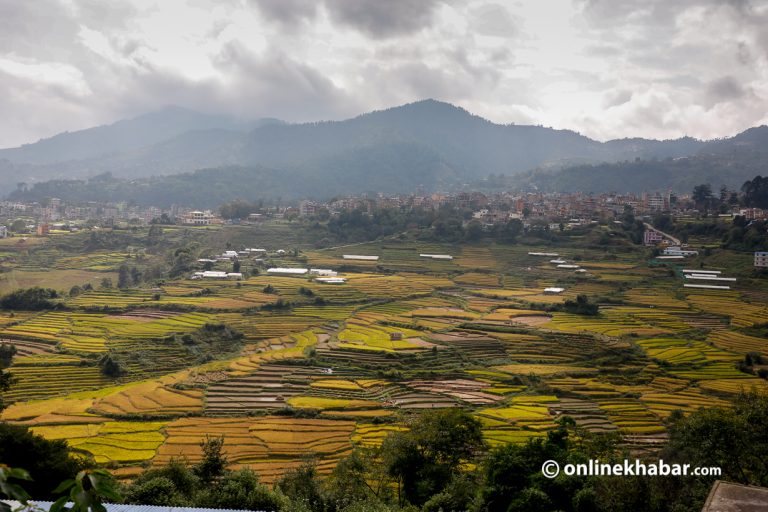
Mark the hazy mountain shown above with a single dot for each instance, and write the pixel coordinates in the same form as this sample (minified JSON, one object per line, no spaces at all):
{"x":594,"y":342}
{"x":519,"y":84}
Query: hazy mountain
{"x":729,"y":162}
{"x":403,"y":166}
{"x":427,"y":143}
{"x":121,"y":136}
{"x":176,"y":140}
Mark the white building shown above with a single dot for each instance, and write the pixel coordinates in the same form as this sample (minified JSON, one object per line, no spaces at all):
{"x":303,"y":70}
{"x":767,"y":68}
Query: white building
{"x":323,"y":272}
{"x":210,"y":274}
{"x":359,"y":257}
{"x":287,"y":271}
{"x":331,"y":280}
{"x":199,"y":218}
{"x":679,"y":251}
{"x":761,"y":259}
{"x":437,"y":256}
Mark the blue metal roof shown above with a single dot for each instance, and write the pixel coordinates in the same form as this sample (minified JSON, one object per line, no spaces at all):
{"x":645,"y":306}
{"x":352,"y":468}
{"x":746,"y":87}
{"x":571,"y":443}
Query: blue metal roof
{"x":118,"y":507}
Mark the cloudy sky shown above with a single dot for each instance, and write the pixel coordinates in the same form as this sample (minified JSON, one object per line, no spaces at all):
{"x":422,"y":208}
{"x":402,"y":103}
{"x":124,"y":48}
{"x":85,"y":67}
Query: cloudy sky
{"x":606,"y":68}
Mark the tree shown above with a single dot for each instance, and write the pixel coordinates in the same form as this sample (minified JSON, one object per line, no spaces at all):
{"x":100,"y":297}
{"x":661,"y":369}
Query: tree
{"x":30,"y":299}
{"x":110,"y":366}
{"x":426,"y":458}
{"x":19,"y":226}
{"x":359,"y":477}
{"x":702,"y":195}
{"x":727,"y":437}
{"x":214,"y":462}
{"x":75,"y":291}
{"x":581,"y":306}
{"x":302,"y":486}
{"x":756,"y":192}
{"x":106,"y":282}
{"x":135,"y":276}
{"x":241,"y":489}
{"x":512,"y":229}
{"x":48,"y":462}
{"x":474,"y":231}
{"x":7,"y":351}
{"x":6,"y":380}
{"x":182,"y":261}
{"x":123,"y":277}
{"x":172,"y":485}
{"x":236,"y":265}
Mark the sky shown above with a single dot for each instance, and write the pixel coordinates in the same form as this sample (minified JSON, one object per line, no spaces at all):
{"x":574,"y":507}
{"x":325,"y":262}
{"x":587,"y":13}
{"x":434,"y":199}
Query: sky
{"x":605,"y":68}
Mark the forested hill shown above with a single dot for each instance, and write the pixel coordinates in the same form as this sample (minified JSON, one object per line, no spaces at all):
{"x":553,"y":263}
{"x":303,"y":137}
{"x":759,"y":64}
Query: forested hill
{"x":461,"y":146}
{"x":728,"y":162}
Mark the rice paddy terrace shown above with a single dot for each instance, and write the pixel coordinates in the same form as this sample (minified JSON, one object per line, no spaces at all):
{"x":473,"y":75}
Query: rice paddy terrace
{"x":286,"y":367}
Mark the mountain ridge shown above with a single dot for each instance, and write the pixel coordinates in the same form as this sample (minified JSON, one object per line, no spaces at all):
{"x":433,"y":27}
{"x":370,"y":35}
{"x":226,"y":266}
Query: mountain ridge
{"x":448,"y":140}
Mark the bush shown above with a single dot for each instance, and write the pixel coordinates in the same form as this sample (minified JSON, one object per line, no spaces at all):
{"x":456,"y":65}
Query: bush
{"x":242,"y":490}
{"x":30,"y":299}
{"x":110,"y":366}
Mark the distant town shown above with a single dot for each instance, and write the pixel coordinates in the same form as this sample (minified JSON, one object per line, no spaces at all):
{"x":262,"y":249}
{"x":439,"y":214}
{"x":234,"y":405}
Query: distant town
{"x":532,"y":208}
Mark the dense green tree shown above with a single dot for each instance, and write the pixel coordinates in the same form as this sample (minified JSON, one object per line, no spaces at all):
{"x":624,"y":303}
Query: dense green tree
{"x":30,"y":299}
{"x":7,"y":351}
{"x":123,"y":277}
{"x":358,"y":478}
{"x":426,"y":458}
{"x":474,"y":231}
{"x":49,"y":463}
{"x":182,"y":261}
{"x":702,"y":196}
{"x":135,"y":276}
{"x":110,"y":366}
{"x":302,"y":486}
{"x":173,"y":485}
{"x":581,"y":306}
{"x":241,"y":489}
{"x":756,"y":192}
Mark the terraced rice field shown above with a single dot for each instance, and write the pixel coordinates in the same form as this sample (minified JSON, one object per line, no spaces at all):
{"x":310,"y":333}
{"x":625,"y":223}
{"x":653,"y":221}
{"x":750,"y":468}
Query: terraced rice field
{"x":404,"y":334}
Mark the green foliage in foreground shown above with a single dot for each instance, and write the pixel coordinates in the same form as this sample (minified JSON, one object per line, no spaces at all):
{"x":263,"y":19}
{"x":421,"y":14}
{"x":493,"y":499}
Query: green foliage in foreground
{"x":47,"y":462}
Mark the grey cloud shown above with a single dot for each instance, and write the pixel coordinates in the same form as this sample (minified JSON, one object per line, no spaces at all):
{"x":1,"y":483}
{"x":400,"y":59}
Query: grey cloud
{"x":40,"y":29}
{"x":724,"y":90}
{"x":380,"y":19}
{"x":287,"y":12}
{"x":375,"y":18}
{"x":105,"y":15}
{"x":616,"y":98}
{"x":493,"y":20}
{"x":274,"y":84}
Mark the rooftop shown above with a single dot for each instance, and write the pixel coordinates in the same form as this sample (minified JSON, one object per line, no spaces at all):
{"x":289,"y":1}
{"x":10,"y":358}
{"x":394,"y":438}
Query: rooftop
{"x":728,"y":497}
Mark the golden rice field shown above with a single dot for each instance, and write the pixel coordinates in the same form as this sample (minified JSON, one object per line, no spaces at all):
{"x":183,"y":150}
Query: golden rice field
{"x":404,"y":334}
